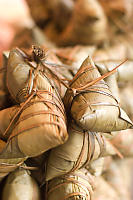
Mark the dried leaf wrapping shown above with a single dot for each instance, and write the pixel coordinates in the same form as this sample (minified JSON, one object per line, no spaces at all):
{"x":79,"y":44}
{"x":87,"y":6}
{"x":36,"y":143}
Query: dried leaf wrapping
{"x":111,"y":81}
{"x":92,"y":104}
{"x":30,"y":125}
{"x":19,"y":186}
{"x":80,"y":150}
{"x":17,"y":74}
{"x":42,"y":123}
{"x":21,"y":72}
{"x":113,"y":86}
{"x":77,"y":185}
{"x":42,"y":116}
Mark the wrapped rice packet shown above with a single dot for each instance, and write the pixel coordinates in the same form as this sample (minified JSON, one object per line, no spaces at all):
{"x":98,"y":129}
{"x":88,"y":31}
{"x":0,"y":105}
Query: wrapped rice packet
{"x":19,"y":186}
{"x":23,"y":69}
{"x":80,"y":150}
{"x":29,"y":125}
{"x":41,"y":116}
{"x":92,"y":104}
{"x":76,"y":185}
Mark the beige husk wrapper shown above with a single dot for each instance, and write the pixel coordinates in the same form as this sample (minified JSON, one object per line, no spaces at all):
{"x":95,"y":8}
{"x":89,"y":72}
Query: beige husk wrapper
{"x":31,"y":126}
{"x":21,"y":72}
{"x":41,"y":117}
{"x":77,"y":185}
{"x":80,"y":150}
{"x":94,"y":107}
{"x":45,"y":127}
{"x":20,"y":186}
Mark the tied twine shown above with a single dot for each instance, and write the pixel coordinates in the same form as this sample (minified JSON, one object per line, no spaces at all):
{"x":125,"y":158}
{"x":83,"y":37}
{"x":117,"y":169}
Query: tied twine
{"x":82,"y":88}
{"x":38,"y":55}
{"x":89,"y":139}
{"x":33,"y":91}
{"x":86,"y":187}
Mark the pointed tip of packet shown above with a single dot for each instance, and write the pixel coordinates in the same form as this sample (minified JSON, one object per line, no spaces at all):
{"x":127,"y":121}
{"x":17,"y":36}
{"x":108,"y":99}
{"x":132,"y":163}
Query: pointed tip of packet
{"x":91,"y":61}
